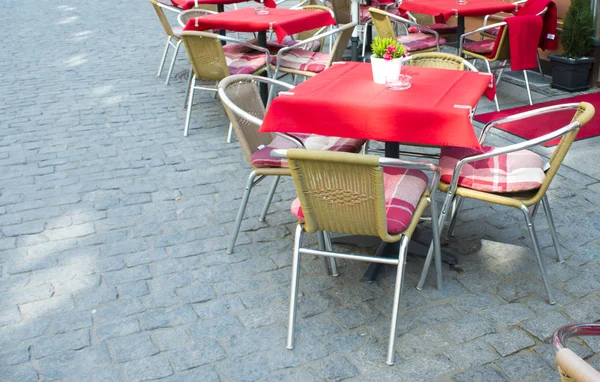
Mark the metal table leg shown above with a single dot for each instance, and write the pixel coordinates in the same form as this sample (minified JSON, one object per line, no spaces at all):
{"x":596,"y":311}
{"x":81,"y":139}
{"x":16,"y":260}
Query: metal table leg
{"x":264,"y":89}
{"x":355,"y":11}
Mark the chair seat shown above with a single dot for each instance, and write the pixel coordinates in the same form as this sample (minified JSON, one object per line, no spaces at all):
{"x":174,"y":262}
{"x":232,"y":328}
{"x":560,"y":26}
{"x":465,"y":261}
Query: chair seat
{"x":419,"y":41}
{"x":492,"y":31}
{"x":364,"y":13}
{"x":274,"y":46}
{"x":263,"y":158}
{"x":403,"y":190}
{"x":481,"y":47}
{"x":305,"y":60}
{"x":513,"y":172}
{"x":244,"y":63}
{"x":237,"y":48}
{"x":441,"y":28}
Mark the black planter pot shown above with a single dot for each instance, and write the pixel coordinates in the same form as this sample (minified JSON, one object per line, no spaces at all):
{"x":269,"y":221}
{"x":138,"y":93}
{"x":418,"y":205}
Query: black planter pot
{"x":570,"y":75}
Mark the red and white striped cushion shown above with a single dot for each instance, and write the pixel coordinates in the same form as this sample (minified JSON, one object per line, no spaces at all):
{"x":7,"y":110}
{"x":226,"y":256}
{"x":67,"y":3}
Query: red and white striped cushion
{"x":263,"y":158}
{"x":305,"y":60}
{"x":481,"y":47}
{"x":244,"y":63}
{"x":237,"y":48}
{"x":274,"y":46}
{"x":512,"y":172}
{"x":419,"y":41}
{"x":403,"y":189}
{"x":441,"y":28}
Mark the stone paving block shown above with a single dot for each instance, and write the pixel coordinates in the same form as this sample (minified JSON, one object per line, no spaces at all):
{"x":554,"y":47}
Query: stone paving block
{"x":74,"y":362}
{"x":57,"y":343}
{"x":353,"y":317}
{"x":545,"y":324}
{"x":132,"y":347}
{"x":171,"y":338}
{"x":99,"y":375}
{"x":523,"y":365}
{"x":147,"y":368}
{"x":468,"y":328}
{"x":475,"y":302}
{"x":163,"y":318}
{"x":436,"y":314}
{"x":14,"y":356}
{"x":203,"y":373}
{"x":196,"y":294}
{"x":508,"y":315}
{"x":94,"y":297}
{"x":423,"y":368}
{"x":217,"y":308}
{"x":201,"y":353}
{"x":216,"y":328}
{"x":470,"y":354}
{"x":305,"y":350}
{"x":246,"y":369}
{"x":118,"y":328}
{"x":420,"y":341}
{"x":141,"y":272}
{"x":18,"y":373}
{"x":50,"y":306}
{"x":510,"y":341}
{"x":487,"y":373}
{"x":337,"y":368}
{"x":304,"y":374}
{"x":120,"y":308}
{"x":9,"y":315}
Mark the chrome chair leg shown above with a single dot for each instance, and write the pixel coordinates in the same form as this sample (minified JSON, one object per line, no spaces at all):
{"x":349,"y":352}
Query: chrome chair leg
{"x":536,"y":249}
{"x":216,"y":93}
{"x":397,"y":294}
{"x":435,"y":241}
{"x":294,"y":288}
{"x":552,"y":228}
{"x":188,"y":113}
{"x":240,"y":216}
{"x":364,"y":39}
{"x":173,"y":62}
{"x":189,"y":83}
{"x":164,"y":56}
{"x":329,"y":248}
{"x":527,"y":86}
{"x":229,"y":133}
{"x":487,"y":63}
{"x":269,"y":198}
{"x":322,"y":247}
{"x":457,"y":205}
{"x":540,"y":66}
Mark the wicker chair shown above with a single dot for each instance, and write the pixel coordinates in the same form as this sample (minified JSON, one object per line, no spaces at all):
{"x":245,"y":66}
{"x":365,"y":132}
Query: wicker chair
{"x":446,"y":31}
{"x":173,"y":37}
{"x":358,"y":195}
{"x":439,"y":60}
{"x":315,"y":46}
{"x":297,"y":61}
{"x":525,"y":183}
{"x":570,"y":366}
{"x":211,"y":62}
{"x":245,"y":110}
{"x":425,"y":40}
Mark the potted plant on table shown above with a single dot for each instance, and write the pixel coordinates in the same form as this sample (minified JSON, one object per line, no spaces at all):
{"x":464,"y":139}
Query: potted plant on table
{"x":386,"y":60}
{"x":570,"y":70}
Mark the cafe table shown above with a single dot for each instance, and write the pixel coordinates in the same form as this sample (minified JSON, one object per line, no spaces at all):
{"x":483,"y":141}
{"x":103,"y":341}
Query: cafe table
{"x":344,"y":101}
{"x":458,"y":8}
{"x":189,"y":4}
{"x":284,"y":22}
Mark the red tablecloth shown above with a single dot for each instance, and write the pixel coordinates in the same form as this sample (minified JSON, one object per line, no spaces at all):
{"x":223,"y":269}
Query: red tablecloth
{"x":189,"y":4}
{"x":283,"y":21}
{"x":344,"y":101}
{"x":450,"y":7}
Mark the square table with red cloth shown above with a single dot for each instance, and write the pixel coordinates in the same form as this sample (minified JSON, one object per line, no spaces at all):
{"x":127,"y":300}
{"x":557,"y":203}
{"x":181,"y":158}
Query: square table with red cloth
{"x":283,"y":21}
{"x":189,"y":4}
{"x":343,"y":101}
{"x":450,"y":7}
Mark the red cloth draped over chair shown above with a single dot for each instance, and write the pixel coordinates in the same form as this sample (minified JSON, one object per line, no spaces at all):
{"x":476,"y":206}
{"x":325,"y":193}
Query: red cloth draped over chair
{"x":548,"y":39}
{"x":523,"y":32}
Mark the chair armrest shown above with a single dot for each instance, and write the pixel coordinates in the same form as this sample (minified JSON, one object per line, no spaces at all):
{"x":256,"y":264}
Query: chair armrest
{"x":420,"y":27}
{"x":169,"y":7}
{"x":478,"y":30}
{"x":413,"y":165}
{"x":292,"y":138}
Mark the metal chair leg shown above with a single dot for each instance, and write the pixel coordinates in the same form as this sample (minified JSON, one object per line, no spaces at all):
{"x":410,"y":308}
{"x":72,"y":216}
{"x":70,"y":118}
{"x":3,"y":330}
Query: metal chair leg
{"x":540,"y":65}
{"x":216,"y":93}
{"x":527,"y":86}
{"x":164,"y":56}
{"x":487,"y":64}
{"x":294,"y":288}
{"x":322,"y":247}
{"x":536,"y":249}
{"x":229,"y":133}
{"x":240,"y":216}
{"x":189,"y":83}
{"x":457,"y":205}
{"x":173,"y":62}
{"x":269,"y":198}
{"x":435,"y":241}
{"x":364,"y":39}
{"x":328,"y":247}
{"x":397,"y":294}
{"x":188,"y":113}
{"x":552,"y":227}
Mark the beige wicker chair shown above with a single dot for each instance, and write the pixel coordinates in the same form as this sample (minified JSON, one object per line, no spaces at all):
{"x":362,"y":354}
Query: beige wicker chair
{"x":245,"y":110}
{"x":439,"y":60}
{"x":426,"y":40}
{"x":527,"y":200}
{"x":446,"y":31}
{"x":173,"y":37}
{"x":209,"y":62}
{"x":297,"y":61}
{"x":345,"y":193}
{"x":570,"y":366}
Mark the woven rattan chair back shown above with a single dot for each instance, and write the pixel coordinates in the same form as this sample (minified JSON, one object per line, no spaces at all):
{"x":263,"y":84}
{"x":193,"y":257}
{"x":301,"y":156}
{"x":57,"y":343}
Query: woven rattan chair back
{"x":308,"y":34}
{"x":186,"y":16}
{"x":163,"y":19}
{"x":503,"y":51}
{"x":383,"y":24}
{"x":341,"y":11}
{"x":423,"y":19}
{"x":208,"y":7}
{"x":245,"y":95}
{"x":206,"y":55}
{"x":437,"y":60}
{"x":340,"y":192}
{"x":341,"y":43}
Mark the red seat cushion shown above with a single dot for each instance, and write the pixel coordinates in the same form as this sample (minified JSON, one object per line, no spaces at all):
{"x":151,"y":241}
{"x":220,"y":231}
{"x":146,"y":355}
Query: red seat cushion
{"x":305,"y":60}
{"x":403,"y":190}
{"x":492,"y":31}
{"x":263,"y":158}
{"x":244,"y":63}
{"x":512,"y":172}
{"x":438,"y":27}
{"x":483,"y":47}
{"x":419,"y":41}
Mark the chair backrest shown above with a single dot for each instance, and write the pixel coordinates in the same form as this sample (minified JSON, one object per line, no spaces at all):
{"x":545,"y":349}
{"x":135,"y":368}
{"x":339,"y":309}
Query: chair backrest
{"x":163,"y":19}
{"x":242,"y":91}
{"x":439,"y":60}
{"x":501,"y":50}
{"x":383,"y":24}
{"x":206,"y":55}
{"x":422,"y":19}
{"x":186,"y":16}
{"x":341,"y":43}
{"x":341,"y":11}
{"x":340,"y":192}
{"x":308,"y":34}
{"x":208,"y":7}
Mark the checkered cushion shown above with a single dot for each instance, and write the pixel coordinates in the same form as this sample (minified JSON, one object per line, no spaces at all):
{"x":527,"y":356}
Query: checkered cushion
{"x":403,"y":189}
{"x":274,"y":46}
{"x":441,"y":28}
{"x":512,"y":172}
{"x":263,"y":158}
{"x":483,"y":47}
{"x":244,"y":63}
{"x":236,"y":48}
{"x":418,"y":41}
{"x":300,"y":59}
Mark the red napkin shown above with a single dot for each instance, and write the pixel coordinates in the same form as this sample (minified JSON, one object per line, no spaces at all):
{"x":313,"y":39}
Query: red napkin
{"x":548,"y":38}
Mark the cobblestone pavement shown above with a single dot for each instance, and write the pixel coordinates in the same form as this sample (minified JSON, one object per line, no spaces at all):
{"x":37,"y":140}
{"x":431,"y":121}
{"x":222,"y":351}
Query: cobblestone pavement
{"x":113,"y":228}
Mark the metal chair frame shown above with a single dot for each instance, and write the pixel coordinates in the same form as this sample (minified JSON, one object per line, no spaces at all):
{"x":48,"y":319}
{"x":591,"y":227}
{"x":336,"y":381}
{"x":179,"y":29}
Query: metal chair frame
{"x":310,"y":225}
{"x":172,"y":39}
{"x":570,"y":366}
{"x":528,"y":202}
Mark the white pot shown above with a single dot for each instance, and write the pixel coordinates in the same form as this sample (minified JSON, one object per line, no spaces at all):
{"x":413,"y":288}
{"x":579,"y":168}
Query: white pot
{"x":383,"y":68}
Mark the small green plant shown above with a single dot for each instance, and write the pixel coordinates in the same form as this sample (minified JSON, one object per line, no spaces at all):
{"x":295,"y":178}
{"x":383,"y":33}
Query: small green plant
{"x":387,"y":48}
{"x":578,"y":30}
